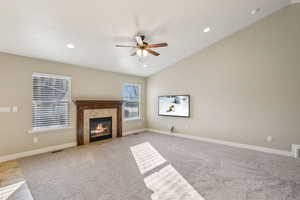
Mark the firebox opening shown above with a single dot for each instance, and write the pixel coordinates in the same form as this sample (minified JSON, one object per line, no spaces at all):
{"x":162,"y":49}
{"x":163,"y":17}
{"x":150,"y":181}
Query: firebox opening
{"x":100,"y":128}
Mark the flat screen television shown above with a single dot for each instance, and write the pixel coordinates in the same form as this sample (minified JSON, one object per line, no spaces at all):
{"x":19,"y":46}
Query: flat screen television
{"x":174,"y":105}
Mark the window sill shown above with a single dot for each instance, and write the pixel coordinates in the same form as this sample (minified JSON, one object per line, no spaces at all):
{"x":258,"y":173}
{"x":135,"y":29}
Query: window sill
{"x":132,"y":119}
{"x":42,"y":130}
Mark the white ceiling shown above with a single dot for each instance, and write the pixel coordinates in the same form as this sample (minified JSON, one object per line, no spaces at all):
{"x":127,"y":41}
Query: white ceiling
{"x":43,"y":28}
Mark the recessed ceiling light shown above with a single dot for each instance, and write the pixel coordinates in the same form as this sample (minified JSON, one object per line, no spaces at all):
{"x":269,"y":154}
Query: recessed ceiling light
{"x":70,"y":46}
{"x":253,"y":12}
{"x":145,"y":66}
{"x":206,"y":30}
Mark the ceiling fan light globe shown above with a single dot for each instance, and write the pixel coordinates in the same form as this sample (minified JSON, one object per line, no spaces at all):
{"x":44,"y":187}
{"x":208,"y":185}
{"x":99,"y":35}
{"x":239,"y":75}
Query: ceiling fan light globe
{"x":145,"y":53}
{"x":139,"y":52}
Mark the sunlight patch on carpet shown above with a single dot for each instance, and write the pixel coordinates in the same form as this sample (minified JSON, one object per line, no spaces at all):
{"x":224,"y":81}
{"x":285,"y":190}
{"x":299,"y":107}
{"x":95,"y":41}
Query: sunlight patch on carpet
{"x":7,"y":191}
{"x":146,"y":157}
{"x":168,"y":184}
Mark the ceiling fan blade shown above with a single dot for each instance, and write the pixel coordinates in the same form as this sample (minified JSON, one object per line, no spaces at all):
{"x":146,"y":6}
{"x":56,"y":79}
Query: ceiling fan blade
{"x":133,"y":54}
{"x":139,"y":40}
{"x":119,"y":45}
{"x":152,"y":52}
{"x":157,"y":45}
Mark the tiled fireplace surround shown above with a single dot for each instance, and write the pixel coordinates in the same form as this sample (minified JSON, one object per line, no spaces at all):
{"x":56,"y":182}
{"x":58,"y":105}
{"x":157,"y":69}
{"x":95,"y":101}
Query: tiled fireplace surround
{"x":98,"y":113}
{"x":88,"y":109}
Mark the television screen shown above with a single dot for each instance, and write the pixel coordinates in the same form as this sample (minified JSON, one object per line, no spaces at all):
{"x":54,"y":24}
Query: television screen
{"x":174,"y":105}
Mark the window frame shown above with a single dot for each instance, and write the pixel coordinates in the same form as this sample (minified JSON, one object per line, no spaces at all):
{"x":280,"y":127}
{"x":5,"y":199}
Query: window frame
{"x":139,"y":101}
{"x":57,"y":127}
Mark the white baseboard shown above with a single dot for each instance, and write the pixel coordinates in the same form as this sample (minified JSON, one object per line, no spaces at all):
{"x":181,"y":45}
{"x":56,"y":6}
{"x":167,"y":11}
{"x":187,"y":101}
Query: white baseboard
{"x":52,"y":148}
{"x":36,"y":152}
{"x":133,"y":132}
{"x":294,"y":152}
{"x":232,"y":144}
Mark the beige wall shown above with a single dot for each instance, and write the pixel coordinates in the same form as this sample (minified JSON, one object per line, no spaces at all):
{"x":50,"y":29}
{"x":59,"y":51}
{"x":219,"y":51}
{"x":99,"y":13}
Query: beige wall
{"x":243,"y":89}
{"x":15,"y":90}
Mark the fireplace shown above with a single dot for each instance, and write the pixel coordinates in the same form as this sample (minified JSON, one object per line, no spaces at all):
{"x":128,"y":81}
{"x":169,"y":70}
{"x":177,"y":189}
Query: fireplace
{"x":100,"y":128}
{"x":98,"y":119}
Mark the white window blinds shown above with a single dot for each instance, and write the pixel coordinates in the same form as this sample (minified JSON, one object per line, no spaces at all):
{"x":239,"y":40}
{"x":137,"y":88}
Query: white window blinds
{"x":50,"y":101}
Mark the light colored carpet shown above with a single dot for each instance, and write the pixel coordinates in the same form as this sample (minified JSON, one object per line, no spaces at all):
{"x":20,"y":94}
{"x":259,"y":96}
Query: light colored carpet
{"x":109,"y":171}
{"x":167,"y":183}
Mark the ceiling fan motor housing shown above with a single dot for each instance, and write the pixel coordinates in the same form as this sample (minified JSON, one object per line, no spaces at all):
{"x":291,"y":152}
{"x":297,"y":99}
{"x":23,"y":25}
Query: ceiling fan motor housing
{"x":142,"y":37}
{"x":143,"y":48}
{"x":144,"y":43}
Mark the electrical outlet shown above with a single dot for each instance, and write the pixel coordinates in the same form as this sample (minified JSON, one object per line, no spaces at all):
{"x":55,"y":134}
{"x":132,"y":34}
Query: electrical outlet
{"x":35,"y":140}
{"x":15,"y":109}
{"x":187,"y":126}
{"x":270,"y":139}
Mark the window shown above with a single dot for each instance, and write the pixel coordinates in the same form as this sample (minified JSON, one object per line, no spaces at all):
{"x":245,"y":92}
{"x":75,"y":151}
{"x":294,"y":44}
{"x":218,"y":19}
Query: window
{"x":132,"y":98}
{"x":51,"y":99}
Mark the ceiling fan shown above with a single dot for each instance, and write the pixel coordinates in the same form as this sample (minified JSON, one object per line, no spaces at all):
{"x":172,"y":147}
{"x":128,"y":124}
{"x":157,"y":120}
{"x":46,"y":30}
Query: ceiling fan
{"x":143,"y":48}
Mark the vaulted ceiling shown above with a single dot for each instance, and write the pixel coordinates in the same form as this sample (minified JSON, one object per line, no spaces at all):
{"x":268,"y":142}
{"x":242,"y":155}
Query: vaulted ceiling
{"x":43,"y":28}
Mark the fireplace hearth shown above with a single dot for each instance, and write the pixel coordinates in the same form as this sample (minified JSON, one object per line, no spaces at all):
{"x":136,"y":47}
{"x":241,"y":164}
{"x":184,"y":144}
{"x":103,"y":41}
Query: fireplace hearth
{"x":100,"y":128}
